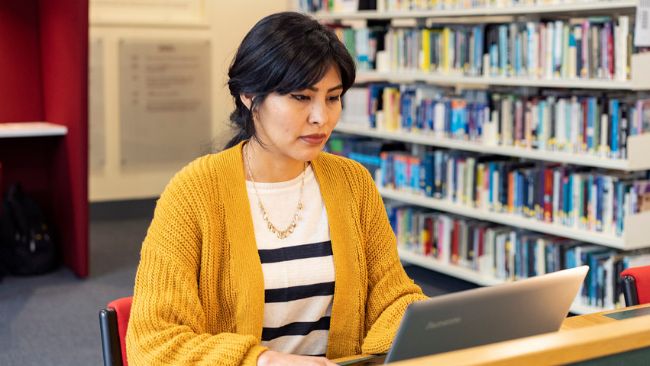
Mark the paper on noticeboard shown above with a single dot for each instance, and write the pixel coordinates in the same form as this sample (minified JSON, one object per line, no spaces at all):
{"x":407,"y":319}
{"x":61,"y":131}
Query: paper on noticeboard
{"x":642,"y":24}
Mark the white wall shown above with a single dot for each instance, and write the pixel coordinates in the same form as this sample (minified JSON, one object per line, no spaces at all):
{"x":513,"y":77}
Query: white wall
{"x":226,"y":23}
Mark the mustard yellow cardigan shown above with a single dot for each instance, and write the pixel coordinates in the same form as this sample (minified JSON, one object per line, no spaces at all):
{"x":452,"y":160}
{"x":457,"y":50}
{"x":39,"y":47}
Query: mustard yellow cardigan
{"x":199,"y":289}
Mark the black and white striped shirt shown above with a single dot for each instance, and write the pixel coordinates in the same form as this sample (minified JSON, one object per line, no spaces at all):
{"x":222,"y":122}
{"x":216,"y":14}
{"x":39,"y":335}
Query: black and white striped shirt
{"x":298,"y":270}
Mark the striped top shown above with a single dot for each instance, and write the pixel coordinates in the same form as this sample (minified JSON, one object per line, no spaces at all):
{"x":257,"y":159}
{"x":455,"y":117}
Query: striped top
{"x":298,"y":270}
{"x":199,"y":290}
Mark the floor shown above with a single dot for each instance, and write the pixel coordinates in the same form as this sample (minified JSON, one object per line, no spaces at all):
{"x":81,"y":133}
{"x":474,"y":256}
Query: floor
{"x":52,"y":319}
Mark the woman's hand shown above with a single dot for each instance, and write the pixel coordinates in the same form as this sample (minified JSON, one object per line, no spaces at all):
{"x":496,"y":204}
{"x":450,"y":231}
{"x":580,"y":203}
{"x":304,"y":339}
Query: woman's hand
{"x":273,"y":358}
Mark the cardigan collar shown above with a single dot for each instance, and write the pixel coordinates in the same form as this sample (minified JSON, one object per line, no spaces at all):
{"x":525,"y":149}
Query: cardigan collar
{"x":246,"y":268}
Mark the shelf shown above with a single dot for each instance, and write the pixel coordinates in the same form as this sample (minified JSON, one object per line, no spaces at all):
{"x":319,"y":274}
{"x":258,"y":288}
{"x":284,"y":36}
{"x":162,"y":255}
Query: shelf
{"x":635,"y":236}
{"x":638,"y":148}
{"x":451,"y":79}
{"x":448,"y":269}
{"x":580,"y":7}
{"x":31,"y":129}
{"x":473,"y":276}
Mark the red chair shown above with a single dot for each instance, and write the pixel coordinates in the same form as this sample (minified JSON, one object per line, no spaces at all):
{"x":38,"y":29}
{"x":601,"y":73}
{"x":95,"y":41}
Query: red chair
{"x":113,"y":321}
{"x":636,"y":285}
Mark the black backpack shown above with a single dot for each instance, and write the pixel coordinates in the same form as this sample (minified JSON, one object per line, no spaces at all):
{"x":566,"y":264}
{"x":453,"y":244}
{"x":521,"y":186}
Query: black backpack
{"x":26,"y":246}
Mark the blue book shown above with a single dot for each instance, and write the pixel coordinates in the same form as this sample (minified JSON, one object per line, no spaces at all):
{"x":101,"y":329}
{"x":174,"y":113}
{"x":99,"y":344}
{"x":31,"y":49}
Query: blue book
{"x":518,"y":60}
{"x":591,"y":116}
{"x":541,"y":139}
{"x":620,"y":198}
{"x":570,"y":257}
{"x":439,"y":173}
{"x":503,"y":50}
{"x":614,"y":118}
{"x":599,"y":202}
{"x":414,"y":183}
{"x":426,"y":173}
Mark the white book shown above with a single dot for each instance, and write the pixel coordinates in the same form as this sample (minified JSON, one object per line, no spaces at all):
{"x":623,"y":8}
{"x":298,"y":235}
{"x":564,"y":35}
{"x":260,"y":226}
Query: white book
{"x":439,"y":118}
{"x":460,"y":180}
{"x":576,"y":123}
{"x":604,"y":136}
{"x":506,"y":121}
{"x":445,"y":246}
{"x":528,"y":126}
{"x":560,"y":124}
{"x":501,"y":256}
{"x":620,"y":45}
{"x":469,"y":181}
{"x":542,"y":43}
{"x":451,"y":189}
{"x":549,"y":62}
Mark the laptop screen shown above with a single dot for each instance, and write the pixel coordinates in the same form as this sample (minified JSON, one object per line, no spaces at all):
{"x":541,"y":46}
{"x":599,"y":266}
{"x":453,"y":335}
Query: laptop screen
{"x":486,"y":315}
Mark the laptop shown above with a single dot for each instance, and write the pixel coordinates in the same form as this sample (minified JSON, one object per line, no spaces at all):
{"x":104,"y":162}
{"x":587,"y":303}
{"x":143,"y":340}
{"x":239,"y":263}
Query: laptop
{"x":481,"y":316}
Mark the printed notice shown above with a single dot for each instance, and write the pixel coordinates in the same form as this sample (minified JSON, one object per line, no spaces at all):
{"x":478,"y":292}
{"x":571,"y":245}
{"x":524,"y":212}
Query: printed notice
{"x":97,"y":129}
{"x":642,"y":24}
{"x":165,"y":110}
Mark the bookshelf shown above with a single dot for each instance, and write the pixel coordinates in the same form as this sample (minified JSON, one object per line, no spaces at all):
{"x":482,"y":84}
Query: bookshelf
{"x":472,"y":276}
{"x":407,"y":71}
{"x":633,"y":238}
{"x":484,"y":81}
{"x":639,"y":148}
{"x":594,"y":7}
{"x":42,"y":81}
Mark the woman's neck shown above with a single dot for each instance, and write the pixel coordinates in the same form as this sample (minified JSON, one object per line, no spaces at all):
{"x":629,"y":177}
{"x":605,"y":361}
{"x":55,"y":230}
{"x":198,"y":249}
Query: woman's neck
{"x":268,"y":166}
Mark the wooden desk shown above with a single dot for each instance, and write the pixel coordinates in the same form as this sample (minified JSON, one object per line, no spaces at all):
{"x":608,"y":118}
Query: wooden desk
{"x":581,"y":338}
{"x":581,"y":321}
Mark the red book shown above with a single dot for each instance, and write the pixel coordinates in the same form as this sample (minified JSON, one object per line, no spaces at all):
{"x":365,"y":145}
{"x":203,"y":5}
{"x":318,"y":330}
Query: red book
{"x":610,"y":49}
{"x":428,"y":235}
{"x":548,"y":195}
{"x":455,"y":237}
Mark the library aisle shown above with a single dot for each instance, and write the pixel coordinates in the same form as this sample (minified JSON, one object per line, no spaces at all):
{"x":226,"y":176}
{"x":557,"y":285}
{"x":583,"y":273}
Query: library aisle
{"x":508,"y":138}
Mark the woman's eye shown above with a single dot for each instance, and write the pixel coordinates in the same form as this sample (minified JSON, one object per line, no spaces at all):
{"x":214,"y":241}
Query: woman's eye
{"x":300,"y":97}
{"x":335,"y":98}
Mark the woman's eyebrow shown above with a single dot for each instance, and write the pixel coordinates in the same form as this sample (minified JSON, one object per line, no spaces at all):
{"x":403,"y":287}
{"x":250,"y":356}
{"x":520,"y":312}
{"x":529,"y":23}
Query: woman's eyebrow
{"x":313,"y":88}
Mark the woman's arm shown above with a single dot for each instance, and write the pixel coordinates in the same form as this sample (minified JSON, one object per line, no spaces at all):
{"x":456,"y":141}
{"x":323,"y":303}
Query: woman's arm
{"x":390,"y":290}
{"x":168,"y":323}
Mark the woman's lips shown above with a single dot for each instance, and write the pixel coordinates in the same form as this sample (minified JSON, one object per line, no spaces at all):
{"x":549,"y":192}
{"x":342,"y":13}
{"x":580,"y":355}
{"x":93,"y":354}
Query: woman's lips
{"x":315,"y":139}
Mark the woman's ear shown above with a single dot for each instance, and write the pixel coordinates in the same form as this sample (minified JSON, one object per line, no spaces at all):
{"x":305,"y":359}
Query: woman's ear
{"x":247,"y":99}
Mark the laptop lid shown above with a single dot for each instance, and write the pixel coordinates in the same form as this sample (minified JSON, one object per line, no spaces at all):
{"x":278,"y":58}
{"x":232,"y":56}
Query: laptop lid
{"x":486,"y":315}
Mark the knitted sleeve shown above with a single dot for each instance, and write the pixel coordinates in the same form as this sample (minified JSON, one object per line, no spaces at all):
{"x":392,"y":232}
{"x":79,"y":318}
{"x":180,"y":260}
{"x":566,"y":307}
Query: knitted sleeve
{"x":390,"y":290}
{"x":167,"y":325}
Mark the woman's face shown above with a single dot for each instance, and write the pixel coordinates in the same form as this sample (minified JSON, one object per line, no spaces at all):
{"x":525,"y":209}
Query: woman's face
{"x":297,"y":125}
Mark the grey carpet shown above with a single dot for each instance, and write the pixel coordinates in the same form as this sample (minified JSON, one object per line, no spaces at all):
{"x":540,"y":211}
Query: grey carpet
{"x":52,"y":319}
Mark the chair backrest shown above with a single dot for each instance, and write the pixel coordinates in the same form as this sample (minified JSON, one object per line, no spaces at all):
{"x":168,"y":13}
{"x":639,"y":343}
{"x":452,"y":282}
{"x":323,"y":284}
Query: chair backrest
{"x":636,"y":282}
{"x":113,"y":322}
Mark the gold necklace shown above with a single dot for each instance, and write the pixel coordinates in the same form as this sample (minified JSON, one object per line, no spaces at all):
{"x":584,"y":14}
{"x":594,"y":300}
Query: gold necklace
{"x":281,"y":234}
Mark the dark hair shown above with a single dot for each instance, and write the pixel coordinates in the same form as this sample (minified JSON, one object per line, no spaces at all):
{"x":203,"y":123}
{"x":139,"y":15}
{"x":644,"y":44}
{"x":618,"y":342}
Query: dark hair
{"x":282,"y":53}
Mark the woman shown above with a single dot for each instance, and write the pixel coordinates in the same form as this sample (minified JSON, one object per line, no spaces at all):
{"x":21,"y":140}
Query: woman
{"x":272,"y":252}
